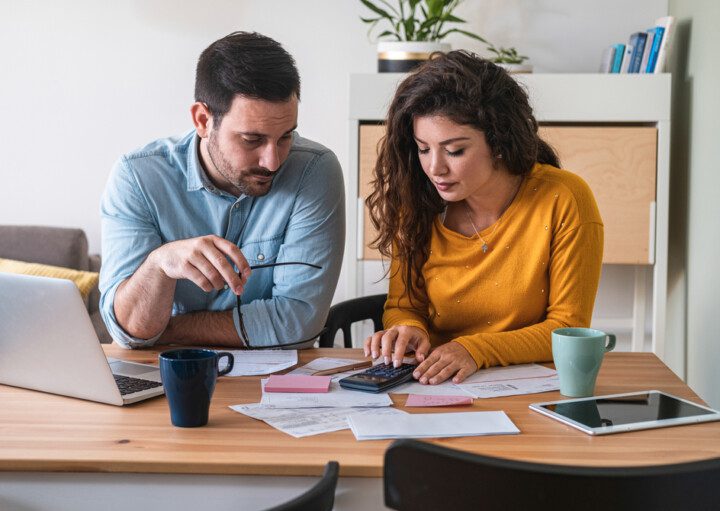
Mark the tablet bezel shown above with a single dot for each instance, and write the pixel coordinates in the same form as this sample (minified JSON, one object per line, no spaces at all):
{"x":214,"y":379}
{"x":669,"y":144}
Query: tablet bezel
{"x":634,"y":426}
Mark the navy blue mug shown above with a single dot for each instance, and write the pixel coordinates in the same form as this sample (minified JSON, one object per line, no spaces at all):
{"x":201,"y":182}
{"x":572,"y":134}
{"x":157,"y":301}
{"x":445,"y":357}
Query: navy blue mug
{"x":189,"y":376}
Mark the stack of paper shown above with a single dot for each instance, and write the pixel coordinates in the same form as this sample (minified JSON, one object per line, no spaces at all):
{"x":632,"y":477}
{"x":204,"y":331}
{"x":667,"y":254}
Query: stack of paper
{"x":301,"y":422}
{"x":511,"y":381}
{"x":432,"y":425}
{"x":338,"y":397}
{"x":259,"y":362}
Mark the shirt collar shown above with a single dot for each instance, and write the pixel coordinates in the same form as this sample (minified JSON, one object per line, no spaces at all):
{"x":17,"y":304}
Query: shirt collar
{"x":197,"y":178}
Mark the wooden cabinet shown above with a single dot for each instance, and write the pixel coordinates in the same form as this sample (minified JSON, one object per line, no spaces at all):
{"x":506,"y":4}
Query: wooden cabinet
{"x":613,"y":130}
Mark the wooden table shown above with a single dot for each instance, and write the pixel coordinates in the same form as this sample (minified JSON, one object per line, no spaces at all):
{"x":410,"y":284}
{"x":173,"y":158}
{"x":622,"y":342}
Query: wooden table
{"x":46,"y":434}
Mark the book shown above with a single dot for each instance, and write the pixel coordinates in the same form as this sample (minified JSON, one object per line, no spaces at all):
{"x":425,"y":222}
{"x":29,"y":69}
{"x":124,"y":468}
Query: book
{"x":608,"y":58}
{"x":652,"y":59}
{"x":650,"y":33}
{"x":667,"y":23}
{"x":617,"y":63}
{"x":638,"y":47}
{"x":627,"y":55}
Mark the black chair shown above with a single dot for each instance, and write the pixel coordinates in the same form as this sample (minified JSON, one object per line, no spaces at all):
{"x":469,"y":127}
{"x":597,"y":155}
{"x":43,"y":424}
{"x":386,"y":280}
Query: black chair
{"x":320,"y":497}
{"x":342,"y":315}
{"x":421,"y":476}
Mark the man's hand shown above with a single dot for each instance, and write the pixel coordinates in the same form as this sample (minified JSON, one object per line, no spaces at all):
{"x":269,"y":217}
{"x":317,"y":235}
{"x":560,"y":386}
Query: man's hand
{"x":445,"y":361}
{"x":393,"y":343}
{"x":204,"y":261}
{"x":143,"y":303}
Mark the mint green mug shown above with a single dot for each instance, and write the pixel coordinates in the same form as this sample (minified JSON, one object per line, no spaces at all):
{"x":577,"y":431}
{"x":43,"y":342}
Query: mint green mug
{"x":578,"y":353}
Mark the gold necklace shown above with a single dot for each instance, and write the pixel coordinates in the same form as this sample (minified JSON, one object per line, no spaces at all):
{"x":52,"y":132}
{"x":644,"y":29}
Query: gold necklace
{"x":484,"y":243}
{"x":467,"y":212}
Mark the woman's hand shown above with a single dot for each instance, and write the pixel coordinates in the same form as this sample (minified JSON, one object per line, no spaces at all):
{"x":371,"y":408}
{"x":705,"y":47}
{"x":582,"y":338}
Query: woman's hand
{"x":445,"y":361}
{"x":394,"y":342}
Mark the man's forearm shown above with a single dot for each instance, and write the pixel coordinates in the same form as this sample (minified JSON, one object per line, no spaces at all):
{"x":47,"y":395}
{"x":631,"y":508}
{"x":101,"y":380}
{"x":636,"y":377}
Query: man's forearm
{"x":205,"y":327}
{"x":143,"y":303}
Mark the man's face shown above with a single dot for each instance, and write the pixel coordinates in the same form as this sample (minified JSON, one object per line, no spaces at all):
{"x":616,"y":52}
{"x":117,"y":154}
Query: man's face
{"x":250,"y":144}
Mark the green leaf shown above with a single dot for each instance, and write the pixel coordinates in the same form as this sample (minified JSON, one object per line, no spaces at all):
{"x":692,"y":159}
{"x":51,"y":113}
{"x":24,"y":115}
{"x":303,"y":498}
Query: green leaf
{"x":369,"y":20}
{"x":452,"y":19}
{"x":389,"y":32}
{"x":464,"y":32}
{"x":391,"y":7}
{"x":409,"y":29}
{"x":377,"y":10}
{"x":435,"y":7}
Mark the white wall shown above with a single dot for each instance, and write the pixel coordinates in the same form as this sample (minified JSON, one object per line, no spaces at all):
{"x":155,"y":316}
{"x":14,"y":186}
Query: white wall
{"x":84,"y":81}
{"x":695,"y":208}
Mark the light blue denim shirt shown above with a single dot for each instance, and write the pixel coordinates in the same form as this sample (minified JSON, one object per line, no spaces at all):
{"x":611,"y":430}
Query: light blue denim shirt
{"x":160,"y":193}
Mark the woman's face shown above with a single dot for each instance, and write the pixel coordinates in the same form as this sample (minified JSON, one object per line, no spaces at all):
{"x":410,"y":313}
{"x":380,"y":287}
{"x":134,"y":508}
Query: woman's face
{"x":455,"y":157}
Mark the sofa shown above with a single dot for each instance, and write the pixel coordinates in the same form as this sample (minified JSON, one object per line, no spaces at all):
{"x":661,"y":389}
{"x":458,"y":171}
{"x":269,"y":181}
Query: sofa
{"x":56,"y":246}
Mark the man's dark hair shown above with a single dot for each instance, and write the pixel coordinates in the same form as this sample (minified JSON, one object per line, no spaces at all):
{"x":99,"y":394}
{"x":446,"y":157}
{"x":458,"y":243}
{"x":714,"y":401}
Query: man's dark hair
{"x":248,"y":64}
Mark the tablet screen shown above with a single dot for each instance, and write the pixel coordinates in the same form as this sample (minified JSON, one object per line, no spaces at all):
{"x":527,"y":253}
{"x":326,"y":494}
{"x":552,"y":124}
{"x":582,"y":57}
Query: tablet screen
{"x":641,"y":407}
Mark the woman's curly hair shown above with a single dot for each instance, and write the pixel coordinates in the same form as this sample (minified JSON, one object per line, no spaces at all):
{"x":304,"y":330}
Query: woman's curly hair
{"x":470,"y":91}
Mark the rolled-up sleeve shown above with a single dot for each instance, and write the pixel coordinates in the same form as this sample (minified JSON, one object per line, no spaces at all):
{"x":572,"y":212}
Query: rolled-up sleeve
{"x":129,"y":234}
{"x":301,"y":295}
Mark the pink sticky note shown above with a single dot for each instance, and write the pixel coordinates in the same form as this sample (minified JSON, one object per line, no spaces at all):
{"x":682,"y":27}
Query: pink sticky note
{"x":421,"y":400}
{"x":297,"y":383}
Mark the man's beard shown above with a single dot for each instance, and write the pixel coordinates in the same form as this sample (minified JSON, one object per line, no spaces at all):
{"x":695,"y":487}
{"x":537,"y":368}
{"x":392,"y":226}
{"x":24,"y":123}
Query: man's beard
{"x":243,"y":182}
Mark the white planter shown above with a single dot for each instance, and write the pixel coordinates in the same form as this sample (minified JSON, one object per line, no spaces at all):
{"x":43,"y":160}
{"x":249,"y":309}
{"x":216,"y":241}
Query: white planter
{"x":517,"y":68}
{"x":404,"y":56}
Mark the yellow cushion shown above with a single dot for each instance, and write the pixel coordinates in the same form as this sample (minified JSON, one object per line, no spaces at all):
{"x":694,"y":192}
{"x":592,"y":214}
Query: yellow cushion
{"x":84,"y":280}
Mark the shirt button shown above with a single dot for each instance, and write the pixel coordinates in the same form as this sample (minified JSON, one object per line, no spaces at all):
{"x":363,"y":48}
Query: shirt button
{"x":261,"y":257}
{"x":236,"y":205}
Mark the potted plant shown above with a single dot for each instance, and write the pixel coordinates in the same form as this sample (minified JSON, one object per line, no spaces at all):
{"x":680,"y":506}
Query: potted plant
{"x":416,"y":29}
{"x":510,"y":59}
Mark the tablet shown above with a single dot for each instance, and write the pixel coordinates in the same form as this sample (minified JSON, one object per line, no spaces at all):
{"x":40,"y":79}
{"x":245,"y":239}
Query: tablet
{"x":602,"y":415}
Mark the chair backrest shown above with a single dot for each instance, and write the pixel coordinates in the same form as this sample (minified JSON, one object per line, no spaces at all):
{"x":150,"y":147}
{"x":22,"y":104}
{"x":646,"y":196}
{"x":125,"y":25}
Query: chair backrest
{"x":342,"y":315}
{"x":422,"y":476}
{"x":320,"y":497}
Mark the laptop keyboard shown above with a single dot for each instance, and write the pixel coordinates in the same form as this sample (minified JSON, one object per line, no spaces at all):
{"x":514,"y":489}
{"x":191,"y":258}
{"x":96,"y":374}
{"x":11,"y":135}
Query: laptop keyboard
{"x":129,"y":385}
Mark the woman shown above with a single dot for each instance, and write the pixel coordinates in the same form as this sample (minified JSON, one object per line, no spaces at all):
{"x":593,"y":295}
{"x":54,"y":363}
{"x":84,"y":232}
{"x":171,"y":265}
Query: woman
{"x":492,"y":245}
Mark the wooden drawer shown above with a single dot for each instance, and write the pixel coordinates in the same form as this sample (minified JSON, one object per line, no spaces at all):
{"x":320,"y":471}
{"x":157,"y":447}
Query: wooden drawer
{"x":619,"y":164}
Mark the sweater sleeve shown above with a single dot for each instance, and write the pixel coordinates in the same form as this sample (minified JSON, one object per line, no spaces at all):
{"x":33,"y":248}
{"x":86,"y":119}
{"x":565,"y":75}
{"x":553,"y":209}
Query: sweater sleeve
{"x":574,"y":274}
{"x":400,"y":308}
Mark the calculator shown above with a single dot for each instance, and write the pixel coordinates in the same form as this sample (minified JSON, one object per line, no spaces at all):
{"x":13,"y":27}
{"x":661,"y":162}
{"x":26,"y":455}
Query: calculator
{"x":379,"y":378}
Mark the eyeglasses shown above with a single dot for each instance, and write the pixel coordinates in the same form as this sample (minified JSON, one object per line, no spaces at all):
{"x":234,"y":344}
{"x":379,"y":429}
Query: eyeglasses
{"x":243,"y":331}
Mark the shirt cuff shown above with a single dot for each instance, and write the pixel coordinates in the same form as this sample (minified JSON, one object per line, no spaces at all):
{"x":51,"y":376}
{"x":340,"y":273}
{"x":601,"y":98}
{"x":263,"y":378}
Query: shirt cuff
{"x":119,"y":335}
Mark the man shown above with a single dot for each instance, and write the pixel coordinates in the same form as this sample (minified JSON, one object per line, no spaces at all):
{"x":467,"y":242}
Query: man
{"x":183,"y":219}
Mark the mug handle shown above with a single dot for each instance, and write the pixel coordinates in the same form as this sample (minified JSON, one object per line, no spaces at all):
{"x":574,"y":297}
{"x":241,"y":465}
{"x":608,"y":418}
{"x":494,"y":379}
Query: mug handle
{"x":230,"y":362}
{"x":610,"y":345}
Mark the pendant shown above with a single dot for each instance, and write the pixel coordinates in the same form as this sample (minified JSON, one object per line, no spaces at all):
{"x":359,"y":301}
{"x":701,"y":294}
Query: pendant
{"x":484,"y":248}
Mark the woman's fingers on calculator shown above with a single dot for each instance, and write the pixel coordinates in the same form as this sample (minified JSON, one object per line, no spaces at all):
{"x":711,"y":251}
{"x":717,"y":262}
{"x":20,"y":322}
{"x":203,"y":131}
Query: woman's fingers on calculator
{"x":387,"y":342}
{"x":372,"y":344}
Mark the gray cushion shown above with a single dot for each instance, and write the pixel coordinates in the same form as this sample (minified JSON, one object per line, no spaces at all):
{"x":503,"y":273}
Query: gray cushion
{"x":58,"y":246}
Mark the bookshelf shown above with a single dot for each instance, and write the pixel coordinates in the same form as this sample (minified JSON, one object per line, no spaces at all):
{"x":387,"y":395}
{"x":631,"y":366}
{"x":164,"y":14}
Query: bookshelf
{"x":613,"y":130}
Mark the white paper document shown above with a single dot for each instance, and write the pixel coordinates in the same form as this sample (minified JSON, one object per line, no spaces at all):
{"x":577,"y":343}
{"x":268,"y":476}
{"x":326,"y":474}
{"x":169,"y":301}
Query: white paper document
{"x":431,"y":425}
{"x":446,"y":388}
{"x":510,"y":373}
{"x":323,"y":363}
{"x":259,"y":362}
{"x":308,"y":421}
{"x":337,"y":397}
{"x":510,"y":387}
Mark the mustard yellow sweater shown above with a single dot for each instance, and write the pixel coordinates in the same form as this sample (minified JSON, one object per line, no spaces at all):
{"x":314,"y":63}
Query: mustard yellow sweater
{"x":540,"y":273}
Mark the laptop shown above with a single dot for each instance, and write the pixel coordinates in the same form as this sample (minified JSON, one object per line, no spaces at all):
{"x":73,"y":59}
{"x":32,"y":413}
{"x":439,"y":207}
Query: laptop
{"x":48,"y":343}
